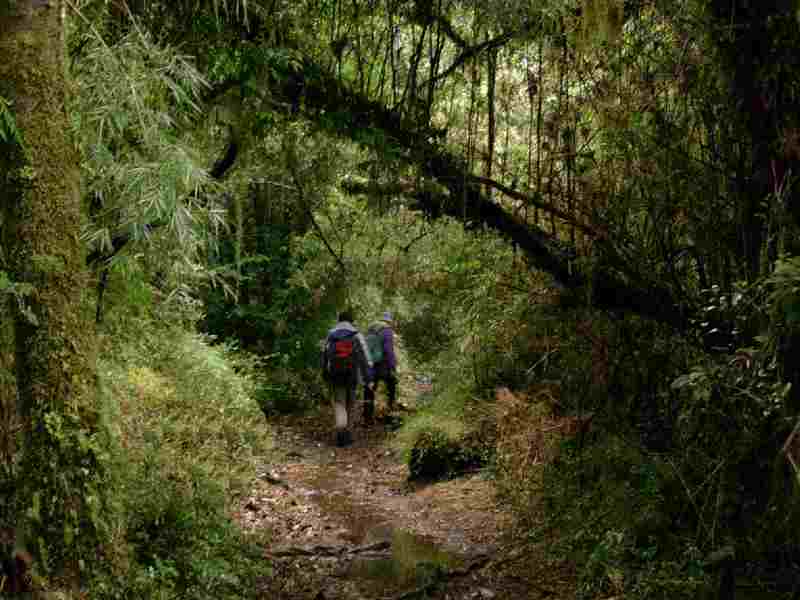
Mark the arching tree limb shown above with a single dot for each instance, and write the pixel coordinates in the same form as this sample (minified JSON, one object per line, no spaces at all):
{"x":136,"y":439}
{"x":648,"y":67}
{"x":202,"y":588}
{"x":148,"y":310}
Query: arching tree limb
{"x":612,"y":283}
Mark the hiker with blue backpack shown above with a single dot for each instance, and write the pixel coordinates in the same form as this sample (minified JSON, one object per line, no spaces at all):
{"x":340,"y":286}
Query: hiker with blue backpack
{"x":345,"y":365}
{"x":380,"y":342}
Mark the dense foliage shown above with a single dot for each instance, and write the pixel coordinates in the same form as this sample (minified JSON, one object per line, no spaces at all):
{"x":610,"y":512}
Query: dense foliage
{"x":589,"y":202}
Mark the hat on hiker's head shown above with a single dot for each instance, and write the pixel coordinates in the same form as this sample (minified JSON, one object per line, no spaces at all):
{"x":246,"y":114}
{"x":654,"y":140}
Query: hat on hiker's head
{"x":387,"y":316}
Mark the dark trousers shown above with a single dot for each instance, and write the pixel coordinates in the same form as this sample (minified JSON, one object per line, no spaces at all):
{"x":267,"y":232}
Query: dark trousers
{"x":390,"y":379}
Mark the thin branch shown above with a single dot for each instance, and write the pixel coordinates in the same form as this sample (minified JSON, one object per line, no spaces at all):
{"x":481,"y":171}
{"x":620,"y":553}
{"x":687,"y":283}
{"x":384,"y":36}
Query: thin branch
{"x":325,"y":550}
{"x":424,"y":15}
{"x":474,"y":51}
{"x":417,"y":238}
{"x":533,"y":201}
{"x":448,"y":29}
{"x":292,"y":164}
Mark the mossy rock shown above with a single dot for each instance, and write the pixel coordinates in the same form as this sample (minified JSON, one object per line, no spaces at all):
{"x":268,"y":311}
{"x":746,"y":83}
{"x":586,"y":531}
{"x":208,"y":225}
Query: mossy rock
{"x":432,"y":457}
{"x":435,"y":456}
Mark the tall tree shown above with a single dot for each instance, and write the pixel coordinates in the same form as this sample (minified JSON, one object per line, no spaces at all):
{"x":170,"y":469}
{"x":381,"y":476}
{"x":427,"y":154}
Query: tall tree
{"x":758,"y":60}
{"x":57,"y":496}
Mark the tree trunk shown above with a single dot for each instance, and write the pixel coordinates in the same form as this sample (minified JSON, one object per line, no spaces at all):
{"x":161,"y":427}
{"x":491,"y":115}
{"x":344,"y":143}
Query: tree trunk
{"x":54,"y":339}
{"x":759,"y":60}
{"x":8,"y":390}
{"x":491,"y":59}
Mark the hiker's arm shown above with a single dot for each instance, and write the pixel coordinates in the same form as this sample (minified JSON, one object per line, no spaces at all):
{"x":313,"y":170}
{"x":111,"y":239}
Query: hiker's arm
{"x":323,"y":359}
{"x":388,"y":349}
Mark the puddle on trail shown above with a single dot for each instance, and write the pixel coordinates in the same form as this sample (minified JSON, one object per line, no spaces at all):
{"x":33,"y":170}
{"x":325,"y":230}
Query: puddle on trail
{"x":413,"y":562}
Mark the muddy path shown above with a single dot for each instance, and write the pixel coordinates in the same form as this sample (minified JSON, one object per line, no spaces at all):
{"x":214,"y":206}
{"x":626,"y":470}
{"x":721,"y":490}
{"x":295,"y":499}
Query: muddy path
{"x":344,"y":523}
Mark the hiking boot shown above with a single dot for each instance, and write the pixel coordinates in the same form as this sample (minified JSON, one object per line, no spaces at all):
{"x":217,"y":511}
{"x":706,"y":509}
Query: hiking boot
{"x":343,"y":438}
{"x":368,"y":418}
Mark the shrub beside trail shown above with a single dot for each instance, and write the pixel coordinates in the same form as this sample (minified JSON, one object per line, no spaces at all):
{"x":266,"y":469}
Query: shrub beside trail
{"x":191,"y":435}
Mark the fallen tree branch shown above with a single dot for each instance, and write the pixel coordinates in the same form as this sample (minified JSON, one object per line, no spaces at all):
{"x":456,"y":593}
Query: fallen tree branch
{"x":325,"y":550}
{"x":405,"y":188}
{"x":534,"y":201}
{"x":479,"y":563}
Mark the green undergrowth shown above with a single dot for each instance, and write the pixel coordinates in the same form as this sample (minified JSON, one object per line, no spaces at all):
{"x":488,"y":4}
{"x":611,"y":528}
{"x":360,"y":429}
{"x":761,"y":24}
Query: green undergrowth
{"x":611,"y":504}
{"x":617,"y":511}
{"x":191,"y":435}
{"x":680,"y":463}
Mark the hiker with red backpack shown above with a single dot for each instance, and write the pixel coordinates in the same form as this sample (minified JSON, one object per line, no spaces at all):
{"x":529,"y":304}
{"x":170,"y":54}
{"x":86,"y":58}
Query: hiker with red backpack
{"x":380,"y":342}
{"x":346,"y":365}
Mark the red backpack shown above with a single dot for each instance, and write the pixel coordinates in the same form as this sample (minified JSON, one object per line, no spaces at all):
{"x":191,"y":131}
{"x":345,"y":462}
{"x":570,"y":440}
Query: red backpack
{"x":341,"y":361}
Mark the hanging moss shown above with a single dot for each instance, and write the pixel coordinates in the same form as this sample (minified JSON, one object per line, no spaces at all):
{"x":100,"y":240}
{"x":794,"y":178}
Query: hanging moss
{"x":602,"y":20}
{"x":615,"y":19}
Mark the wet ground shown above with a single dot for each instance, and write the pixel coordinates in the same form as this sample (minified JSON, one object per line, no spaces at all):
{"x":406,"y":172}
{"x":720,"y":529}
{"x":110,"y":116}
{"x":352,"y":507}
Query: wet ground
{"x":343,"y":523}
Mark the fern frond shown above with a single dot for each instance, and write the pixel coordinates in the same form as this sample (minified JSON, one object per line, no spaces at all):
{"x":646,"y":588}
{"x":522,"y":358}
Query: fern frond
{"x":8,"y":124}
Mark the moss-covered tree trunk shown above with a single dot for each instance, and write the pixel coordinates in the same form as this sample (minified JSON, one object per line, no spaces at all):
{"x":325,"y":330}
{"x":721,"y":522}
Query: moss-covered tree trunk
{"x":58,"y":476}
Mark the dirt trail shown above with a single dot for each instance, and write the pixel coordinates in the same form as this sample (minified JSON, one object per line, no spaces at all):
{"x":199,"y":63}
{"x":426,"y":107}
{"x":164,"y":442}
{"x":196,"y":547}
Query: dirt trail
{"x":343,"y":523}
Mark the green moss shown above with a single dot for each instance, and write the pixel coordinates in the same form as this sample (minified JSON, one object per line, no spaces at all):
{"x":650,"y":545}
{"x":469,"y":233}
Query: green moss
{"x":7,"y":6}
{"x":63,"y":450}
